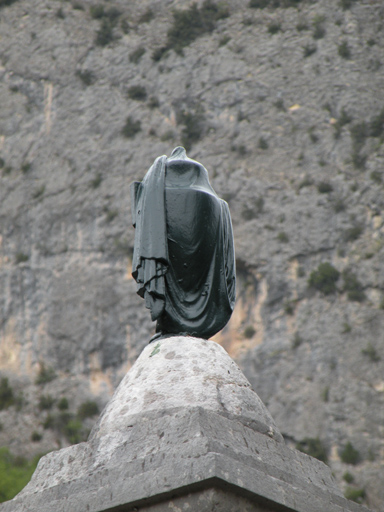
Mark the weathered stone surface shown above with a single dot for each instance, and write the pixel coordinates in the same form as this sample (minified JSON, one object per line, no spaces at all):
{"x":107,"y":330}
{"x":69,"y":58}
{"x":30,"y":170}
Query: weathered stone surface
{"x":181,"y":445}
{"x":183,"y":372}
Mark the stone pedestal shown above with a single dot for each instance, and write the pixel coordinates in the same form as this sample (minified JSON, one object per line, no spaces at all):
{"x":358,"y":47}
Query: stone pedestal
{"x":183,"y":432}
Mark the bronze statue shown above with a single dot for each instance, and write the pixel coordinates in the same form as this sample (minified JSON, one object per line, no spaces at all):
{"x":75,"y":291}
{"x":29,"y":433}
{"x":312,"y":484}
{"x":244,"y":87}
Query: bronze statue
{"x":183,"y":260}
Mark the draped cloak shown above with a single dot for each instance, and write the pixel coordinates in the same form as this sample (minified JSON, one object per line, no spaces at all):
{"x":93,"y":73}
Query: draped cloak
{"x":183,"y":260}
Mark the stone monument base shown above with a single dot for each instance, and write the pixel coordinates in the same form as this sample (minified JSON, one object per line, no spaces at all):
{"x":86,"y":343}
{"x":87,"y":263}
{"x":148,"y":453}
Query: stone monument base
{"x":183,"y":432}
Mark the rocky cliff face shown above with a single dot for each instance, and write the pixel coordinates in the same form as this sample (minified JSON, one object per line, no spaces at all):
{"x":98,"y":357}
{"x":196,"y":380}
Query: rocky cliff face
{"x":283,"y":103}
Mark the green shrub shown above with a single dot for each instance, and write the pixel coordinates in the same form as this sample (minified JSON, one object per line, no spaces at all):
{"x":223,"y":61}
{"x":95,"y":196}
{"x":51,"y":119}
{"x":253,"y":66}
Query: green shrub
{"x":87,"y":77}
{"x":191,"y":23}
{"x":309,"y":50}
{"x":353,"y":233}
{"x":262,"y":4}
{"x":324,"y":187}
{"x":6,"y":394}
{"x":353,"y":287}
{"x":318,"y":27}
{"x":324,"y":278}
{"x":46,"y":402}
{"x":249,"y":331}
{"x":349,"y":455}
{"x":96,"y":181}
{"x":346,"y":4}
{"x":358,"y":160}
{"x":347,"y":477}
{"x":20,"y":257}
{"x":297,"y":340}
{"x":274,"y":27}
{"x":136,"y":55}
{"x":283,"y":237}
{"x":87,"y":410}
{"x":15,"y":473}
{"x":344,"y":50}
{"x":26,"y":166}
{"x":45,"y":375}
{"x":263,"y":143}
{"x":153,"y":102}
{"x":131,"y":127}
{"x":105,"y":34}
{"x":96,"y":11}
{"x":74,"y":431}
{"x":193,"y":129}
{"x":147,"y":16}
{"x":325,"y":394}
{"x":354,"y":494}
{"x":376,"y":126}
{"x":62,"y":404}
{"x":36,"y":436}
{"x":376,"y":176}
{"x":3,"y":3}
{"x":370,"y":352}
{"x":313,"y":447}
{"x":344,"y":118}
{"x":137,"y":92}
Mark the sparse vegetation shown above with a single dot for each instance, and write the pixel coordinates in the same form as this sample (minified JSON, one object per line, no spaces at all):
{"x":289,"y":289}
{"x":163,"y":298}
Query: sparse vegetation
{"x":46,"y":402}
{"x":349,"y":455}
{"x":371,"y":353}
{"x":36,"y":436}
{"x":352,"y":286}
{"x":3,"y":3}
{"x":318,"y":27}
{"x":87,"y":410}
{"x":347,"y":477}
{"x":324,"y":187}
{"x":45,"y":375}
{"x":147,"y":16}
{"x":136,"y":55}
{"x":353,"y":233}
{"x":87,"y":77}
{"x":354,"y":494}
{"x":131,"y":127}
{"x":15,"y":473}
{"x":313,"y":447}
{"x":21,"y":257}
{"x":191,"y":23}
{"x":344,"y":50}
{"x":137,"y":92}
{"x":325,"y":394}
{"x":283,"y":237}
{"x":153,"y":102}
{"x":274,"y":27}
{"x":324,"y":278}
{"x":262,"y":4}
{"x":297,"y":340}
{"x":63,"y":404}
{"x":193,"y":129}
{"x":96,"y":181}
{"x":6,"y":394}
{"x":309,"y":49}
{"x":344,"y":118}
{"x":249,"y":331}
{"x":263,"y":143}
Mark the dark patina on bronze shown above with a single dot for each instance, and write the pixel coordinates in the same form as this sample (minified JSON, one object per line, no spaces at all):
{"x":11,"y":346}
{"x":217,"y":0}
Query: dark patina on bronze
{"x":183,"y":260}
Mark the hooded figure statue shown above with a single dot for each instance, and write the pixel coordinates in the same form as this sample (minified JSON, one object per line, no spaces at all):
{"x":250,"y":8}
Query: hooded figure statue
{"x":183,"y":259}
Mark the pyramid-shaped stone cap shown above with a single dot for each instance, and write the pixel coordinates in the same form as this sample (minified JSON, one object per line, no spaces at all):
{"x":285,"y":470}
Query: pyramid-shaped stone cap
{"x":183,"y":431}
{"x":182,"y":373}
